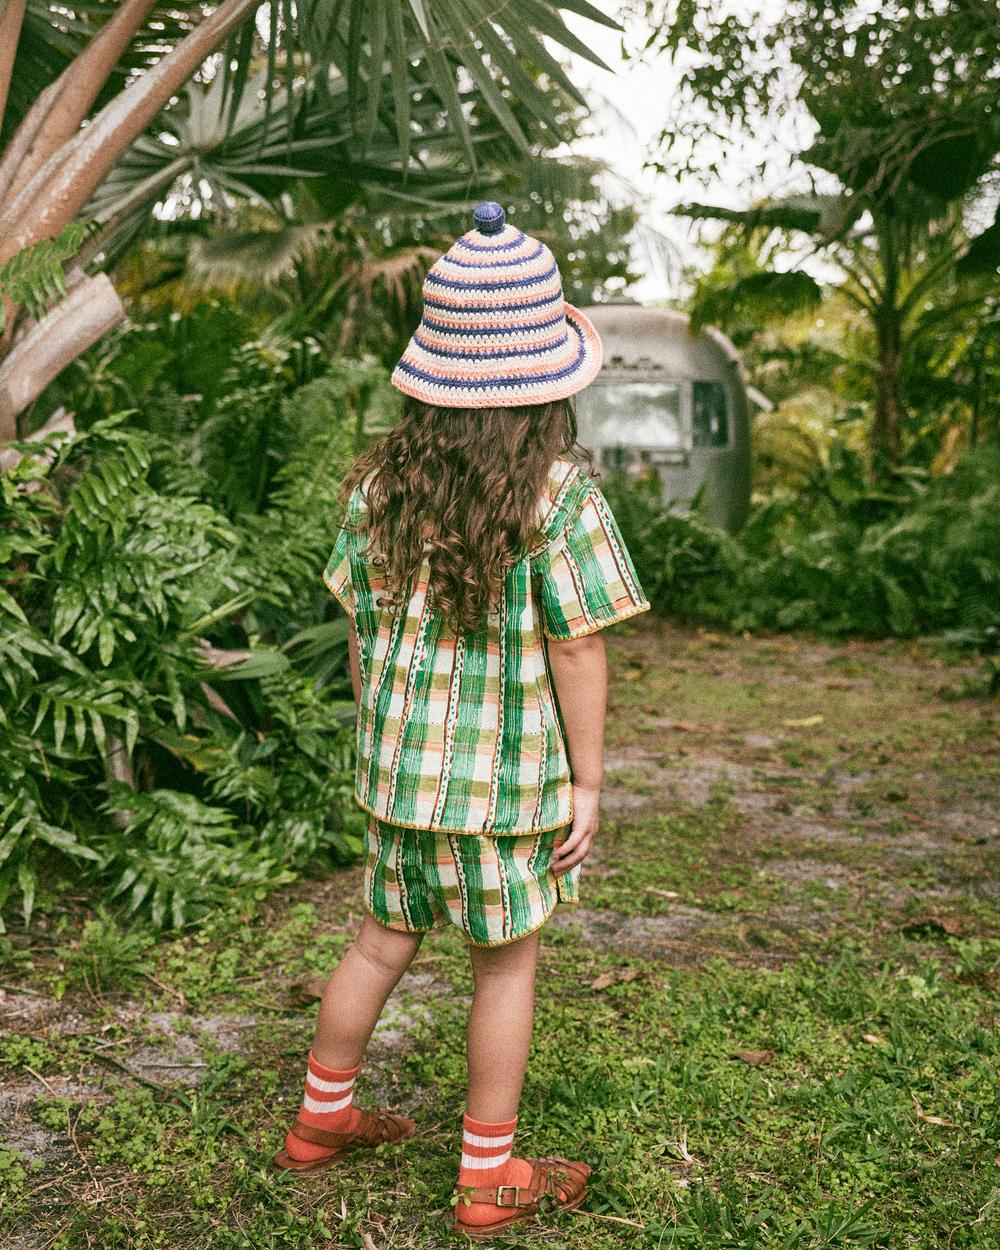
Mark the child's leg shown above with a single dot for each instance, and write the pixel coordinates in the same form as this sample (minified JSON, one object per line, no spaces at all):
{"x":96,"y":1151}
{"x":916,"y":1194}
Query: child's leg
{"x":499,"y":1038}
{"x":499,"y":1034}
{"x":357,"y":991}
{"x":352,"y":1003}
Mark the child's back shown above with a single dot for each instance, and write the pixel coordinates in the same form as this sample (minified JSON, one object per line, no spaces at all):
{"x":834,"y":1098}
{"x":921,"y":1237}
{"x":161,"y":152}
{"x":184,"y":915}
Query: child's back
{"x":478,"y":564}
{"x":459,"y":731}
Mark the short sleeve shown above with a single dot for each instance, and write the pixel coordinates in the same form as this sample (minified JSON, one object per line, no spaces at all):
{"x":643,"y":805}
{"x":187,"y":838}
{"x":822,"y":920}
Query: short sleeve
{"x":586,"y":576}
{"x":338,"y":572}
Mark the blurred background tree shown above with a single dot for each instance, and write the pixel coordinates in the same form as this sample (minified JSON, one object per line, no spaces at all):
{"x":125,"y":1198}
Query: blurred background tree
{"x":899,"y":175}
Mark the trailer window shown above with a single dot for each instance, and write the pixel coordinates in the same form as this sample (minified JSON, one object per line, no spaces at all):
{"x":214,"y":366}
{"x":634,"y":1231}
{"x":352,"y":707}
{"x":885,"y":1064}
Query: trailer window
{"x":633,"y":421}
{"x":709,"y":418}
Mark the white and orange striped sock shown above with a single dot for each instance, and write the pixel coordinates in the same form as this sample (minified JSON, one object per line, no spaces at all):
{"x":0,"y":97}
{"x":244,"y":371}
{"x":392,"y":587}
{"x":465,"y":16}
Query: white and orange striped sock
{"x":488,"y":1160}
{"x":327,"y":1104}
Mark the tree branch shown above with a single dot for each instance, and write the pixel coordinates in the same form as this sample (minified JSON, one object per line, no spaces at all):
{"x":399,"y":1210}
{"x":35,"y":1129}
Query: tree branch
{"x":54,"y":118}
{"x":11,"y":20}
{"x":86,"y":314}
{"x":61,"y":422}
{"x":64,"y":183}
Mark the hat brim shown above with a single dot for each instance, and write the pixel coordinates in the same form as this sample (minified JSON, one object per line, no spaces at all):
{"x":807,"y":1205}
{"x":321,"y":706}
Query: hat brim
{"x":587,"y":368}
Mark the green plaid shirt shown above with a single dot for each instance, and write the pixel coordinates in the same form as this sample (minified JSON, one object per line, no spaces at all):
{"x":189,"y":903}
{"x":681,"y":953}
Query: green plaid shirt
{"x":462,"y":734}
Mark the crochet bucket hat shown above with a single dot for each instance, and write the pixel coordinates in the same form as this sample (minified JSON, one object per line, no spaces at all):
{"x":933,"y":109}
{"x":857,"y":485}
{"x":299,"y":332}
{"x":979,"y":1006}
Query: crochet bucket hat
{"x":496,"y":330}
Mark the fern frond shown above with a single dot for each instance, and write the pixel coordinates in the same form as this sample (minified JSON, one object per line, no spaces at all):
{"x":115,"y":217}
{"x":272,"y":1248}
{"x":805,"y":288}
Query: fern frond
{"x":35,"y":277}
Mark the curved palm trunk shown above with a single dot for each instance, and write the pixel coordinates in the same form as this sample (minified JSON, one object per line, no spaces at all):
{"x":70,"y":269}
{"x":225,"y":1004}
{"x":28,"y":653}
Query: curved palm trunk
{"x":52,"y":167}
{"x":88,"y":312}
{"x":11,"y":19}
{"x":59,"y":111}
{"x":54,"y":195}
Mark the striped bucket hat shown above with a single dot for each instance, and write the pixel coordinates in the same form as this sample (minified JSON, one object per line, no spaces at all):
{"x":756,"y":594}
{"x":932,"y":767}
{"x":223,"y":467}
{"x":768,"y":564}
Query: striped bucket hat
{"x":496,"y":330}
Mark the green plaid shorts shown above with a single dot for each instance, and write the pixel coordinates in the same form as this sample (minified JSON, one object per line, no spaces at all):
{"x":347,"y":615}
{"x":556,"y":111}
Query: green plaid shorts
{"x":496,"y":888}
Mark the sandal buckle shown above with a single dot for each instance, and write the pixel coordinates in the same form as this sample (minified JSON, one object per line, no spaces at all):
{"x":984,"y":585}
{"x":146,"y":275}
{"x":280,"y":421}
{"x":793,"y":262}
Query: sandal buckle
{"x":514,"y":1189}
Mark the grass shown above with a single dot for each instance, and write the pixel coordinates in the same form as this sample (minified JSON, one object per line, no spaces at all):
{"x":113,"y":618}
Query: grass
{"x":772,"y":1025}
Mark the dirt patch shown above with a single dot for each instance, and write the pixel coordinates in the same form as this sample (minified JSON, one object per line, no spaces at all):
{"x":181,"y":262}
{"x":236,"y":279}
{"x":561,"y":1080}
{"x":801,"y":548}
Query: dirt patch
{"x":179,"y":1043}
{"x":811,"y":871}
{"x":21,"y":1131}
{"x":643,"y":936}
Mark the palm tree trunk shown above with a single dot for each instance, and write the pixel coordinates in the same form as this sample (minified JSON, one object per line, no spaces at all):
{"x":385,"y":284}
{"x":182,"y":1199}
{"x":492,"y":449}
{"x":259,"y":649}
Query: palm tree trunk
{"x":887,"y":421}
{"x":57,"y":114}
{"x":86,"y":314}
{"x":63,"y":184}
{"x":10,"y":32}
{"x":887,"y":418}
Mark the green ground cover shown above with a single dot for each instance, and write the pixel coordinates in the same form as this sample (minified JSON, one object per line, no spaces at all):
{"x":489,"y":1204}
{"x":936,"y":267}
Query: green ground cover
{"x":772,"y":1024}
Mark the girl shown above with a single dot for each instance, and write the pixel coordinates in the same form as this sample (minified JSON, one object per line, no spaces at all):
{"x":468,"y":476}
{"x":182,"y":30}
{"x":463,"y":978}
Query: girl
{"x":478,"y":565}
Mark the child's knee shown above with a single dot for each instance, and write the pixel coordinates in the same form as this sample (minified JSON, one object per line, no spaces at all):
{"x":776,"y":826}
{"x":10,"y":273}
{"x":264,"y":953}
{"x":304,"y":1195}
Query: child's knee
{"x":387,"y":951}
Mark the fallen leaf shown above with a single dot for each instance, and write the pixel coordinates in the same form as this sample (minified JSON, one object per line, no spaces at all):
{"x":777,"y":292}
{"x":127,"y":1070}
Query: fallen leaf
{"x":307,"y":991}
{"x":755,"y":1058}
{"x":633,"y":674}
{"x":803,"y":722}
{"x":930,"y":1119}
{"x":686,"y":726}
{"x":873,"y":1039}
{"x":621,"y":977}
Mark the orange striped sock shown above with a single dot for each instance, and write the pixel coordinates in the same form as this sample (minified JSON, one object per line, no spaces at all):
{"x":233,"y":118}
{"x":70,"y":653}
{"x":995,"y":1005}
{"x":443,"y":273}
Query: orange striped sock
{"x":488,"y":1160}
{"x":327,"y":1104}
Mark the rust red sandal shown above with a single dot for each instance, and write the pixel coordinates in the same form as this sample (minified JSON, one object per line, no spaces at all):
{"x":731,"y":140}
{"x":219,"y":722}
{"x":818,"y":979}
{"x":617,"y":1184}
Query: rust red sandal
{"x":563,"y":1181}
{"x":374,"y":1128}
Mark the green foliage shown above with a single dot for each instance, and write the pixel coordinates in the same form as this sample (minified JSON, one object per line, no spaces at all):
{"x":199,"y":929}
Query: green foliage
{"x":179,"y":857}
{"x":907,"y":147}
{"x":176,"y":716}
{"x":35,"y":276}
{"x":105,"y":955}
{"x":853,"y":561}
{"x":685,"y":566}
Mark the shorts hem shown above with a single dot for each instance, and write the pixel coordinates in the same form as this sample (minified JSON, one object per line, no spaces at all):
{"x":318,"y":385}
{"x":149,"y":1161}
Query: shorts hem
{"x":527,"y":932}
{"x":401,"y":928}
{"x":450,"y":924}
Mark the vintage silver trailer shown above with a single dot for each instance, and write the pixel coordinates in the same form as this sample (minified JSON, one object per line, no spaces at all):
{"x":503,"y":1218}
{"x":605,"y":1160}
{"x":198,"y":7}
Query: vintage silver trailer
{"x":673,"y":404}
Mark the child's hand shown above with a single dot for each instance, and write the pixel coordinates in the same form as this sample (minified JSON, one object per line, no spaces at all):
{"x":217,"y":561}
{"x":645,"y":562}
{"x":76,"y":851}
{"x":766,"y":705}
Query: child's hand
{"x":586,"y":819}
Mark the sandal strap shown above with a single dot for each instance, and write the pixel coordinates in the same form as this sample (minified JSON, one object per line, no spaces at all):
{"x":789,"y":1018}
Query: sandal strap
{"x":521,"y":1197}
{"x":373,"y":1128}
{"x":514,"y":1196}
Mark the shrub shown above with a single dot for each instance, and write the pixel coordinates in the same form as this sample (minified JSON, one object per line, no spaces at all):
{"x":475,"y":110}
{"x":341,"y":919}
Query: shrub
{"x":924,"y":560}
{"x":177,"y":718}
{"x":686,"y":567}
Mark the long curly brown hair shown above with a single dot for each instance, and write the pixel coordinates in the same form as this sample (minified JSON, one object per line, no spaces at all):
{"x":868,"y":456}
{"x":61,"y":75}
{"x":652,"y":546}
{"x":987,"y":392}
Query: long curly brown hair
{"x":466,"y":481}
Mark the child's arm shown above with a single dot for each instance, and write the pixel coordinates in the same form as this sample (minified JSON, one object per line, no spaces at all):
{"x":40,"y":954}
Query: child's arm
{"x":355,"y":665}
{"x":580,"y":675}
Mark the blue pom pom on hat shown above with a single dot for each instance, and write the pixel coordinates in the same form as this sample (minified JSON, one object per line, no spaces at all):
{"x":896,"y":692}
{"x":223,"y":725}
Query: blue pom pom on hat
{"x":489,"y":218}
{"x":496,"y":330}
